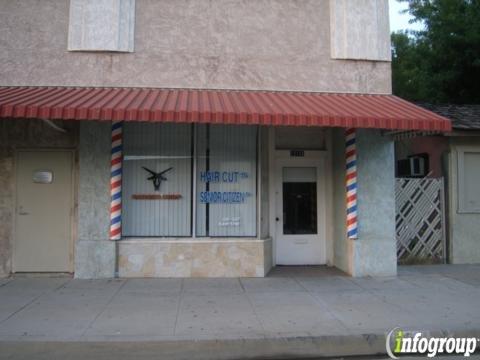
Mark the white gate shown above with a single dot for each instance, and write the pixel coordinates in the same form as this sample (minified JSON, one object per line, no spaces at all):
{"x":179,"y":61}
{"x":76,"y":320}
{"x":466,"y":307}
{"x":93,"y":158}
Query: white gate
{"x":420,"y":220}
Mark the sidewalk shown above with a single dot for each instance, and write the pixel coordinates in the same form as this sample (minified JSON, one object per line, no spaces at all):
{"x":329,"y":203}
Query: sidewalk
{"x":294,"y":312}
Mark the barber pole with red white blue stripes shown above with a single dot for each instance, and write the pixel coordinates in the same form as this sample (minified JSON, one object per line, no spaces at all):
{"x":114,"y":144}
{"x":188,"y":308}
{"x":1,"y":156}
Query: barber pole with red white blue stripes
{"x":116,"y":182}
{"x":351,"y":183}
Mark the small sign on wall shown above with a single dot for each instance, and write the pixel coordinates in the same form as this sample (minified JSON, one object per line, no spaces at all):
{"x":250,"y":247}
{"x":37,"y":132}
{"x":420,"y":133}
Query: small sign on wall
{"x":156,"y":196}
{"x":229,"y":221}
{"x":42,"y":177}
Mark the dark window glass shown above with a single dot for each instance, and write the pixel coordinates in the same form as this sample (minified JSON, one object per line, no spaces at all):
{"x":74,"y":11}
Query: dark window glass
{"x":299,"y":208}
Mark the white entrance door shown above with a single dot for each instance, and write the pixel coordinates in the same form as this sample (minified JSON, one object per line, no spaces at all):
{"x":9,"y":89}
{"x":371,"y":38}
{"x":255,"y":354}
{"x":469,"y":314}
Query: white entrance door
{"x":43,"y":212}
{"x":300,"y":211}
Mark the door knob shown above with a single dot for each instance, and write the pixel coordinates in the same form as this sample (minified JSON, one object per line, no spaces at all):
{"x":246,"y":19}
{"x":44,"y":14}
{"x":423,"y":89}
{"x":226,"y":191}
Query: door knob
{"x":277,"y":219}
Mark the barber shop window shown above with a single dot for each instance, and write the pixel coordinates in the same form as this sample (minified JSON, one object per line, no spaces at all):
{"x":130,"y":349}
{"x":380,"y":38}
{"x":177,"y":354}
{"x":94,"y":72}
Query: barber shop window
{"x":157,"y":180}
{"x":159,"y":198}
{"x":226,"y":180}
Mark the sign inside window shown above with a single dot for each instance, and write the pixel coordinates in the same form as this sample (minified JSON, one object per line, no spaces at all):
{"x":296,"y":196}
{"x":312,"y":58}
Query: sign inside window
{"x":229,"y":221}
{"x":223,"y":197}
{"x":225,"y":189}
{"x":157,"y":179}
{"x":223,"y":176}
{"x":156,"y":196}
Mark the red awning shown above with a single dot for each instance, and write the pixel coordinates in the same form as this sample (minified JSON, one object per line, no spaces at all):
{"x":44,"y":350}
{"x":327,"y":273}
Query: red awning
{"x":218,"y":106}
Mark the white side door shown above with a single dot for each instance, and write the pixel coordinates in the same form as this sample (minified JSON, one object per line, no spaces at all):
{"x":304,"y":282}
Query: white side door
{"x":300,"y":211}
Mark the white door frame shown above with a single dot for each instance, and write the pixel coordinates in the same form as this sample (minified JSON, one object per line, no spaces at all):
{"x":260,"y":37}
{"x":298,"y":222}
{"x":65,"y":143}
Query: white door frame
{"x":73,"y":200}
{"x":318,"y":159}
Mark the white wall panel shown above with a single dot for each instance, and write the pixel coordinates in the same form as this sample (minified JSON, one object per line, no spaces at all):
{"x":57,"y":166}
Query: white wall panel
{"x":468,"y":175}
{"x":359,"y":29}
{"x":101,"y":25}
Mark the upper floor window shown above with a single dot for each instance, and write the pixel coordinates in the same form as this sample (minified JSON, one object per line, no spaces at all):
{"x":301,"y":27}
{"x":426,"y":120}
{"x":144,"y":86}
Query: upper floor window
{"x":101,"y":25}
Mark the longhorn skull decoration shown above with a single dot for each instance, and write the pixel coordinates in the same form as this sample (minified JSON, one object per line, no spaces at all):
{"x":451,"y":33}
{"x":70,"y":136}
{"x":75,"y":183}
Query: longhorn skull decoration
{"x":157,"y":178}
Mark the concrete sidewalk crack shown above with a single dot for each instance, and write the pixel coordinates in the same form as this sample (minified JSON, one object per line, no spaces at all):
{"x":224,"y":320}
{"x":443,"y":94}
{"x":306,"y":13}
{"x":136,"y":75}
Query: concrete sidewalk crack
{"x":22,"y":308}
{"x":255,"y":313}
{"x":103,"y":310}
{"x":241,"y":285}
{"x":322,"y":304}
{"x":6,"y":282}
{"x":180,"y":297}
{"x":30,"y":302}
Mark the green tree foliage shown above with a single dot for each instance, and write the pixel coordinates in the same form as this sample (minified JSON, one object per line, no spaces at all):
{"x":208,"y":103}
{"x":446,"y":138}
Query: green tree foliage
{"x":442,"y":62}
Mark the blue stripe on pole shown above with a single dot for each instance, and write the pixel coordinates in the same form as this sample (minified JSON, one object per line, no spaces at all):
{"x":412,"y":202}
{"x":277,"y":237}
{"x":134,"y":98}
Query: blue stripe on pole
{"x":116,"y":172}
{"x":117,"y":196}
{"x":352,"y":233}
{"x":116,"y":125}
{"x":352,"y":209}
{"x":115,"y":220}
{"x":116,"y":149}
{"x":351,"y":187}
{"x":350,"y":142}
{"x":351,"y":163}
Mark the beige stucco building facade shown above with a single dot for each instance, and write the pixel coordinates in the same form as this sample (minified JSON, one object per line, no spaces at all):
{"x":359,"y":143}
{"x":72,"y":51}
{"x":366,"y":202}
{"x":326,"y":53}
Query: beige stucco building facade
{"x":266,"y":45}
{"x":251,"y":45}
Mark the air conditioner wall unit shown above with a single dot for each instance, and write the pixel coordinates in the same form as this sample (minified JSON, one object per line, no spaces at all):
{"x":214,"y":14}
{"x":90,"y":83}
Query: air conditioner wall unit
{"x":413,"y":166}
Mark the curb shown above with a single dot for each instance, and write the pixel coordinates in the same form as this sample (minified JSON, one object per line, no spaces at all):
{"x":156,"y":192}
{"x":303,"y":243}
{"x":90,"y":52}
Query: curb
{"x":231,"y":349}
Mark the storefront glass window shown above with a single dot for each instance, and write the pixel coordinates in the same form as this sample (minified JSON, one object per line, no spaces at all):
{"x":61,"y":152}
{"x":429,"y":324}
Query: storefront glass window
{"x":157,"y":180}
{"x":158,"y":170}
{"x":226,"y":180}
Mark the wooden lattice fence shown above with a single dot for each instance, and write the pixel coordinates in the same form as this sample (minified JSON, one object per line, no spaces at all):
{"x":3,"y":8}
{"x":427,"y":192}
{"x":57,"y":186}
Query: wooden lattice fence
{"x":420,"y":220}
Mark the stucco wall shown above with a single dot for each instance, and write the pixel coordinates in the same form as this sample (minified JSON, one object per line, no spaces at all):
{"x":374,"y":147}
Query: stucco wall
{"x":94,"y":253}
{"x":22,"y":134}
{"x":464,"y":228}
{"x":374,"y":252}
{"x":264,"y":179}
{"x":237,"y":44}
{"x":341,"y":249}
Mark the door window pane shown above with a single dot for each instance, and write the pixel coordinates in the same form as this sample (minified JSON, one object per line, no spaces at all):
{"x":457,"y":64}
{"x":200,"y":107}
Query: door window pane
{"x":226,"y":180}
{"x":299,"y":201}
{"x":157,"y":180}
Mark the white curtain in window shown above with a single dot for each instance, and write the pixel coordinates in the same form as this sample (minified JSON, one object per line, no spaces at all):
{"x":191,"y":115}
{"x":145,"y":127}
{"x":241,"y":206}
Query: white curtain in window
{"x":226,"y":180}
{"x":165,"y":211}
